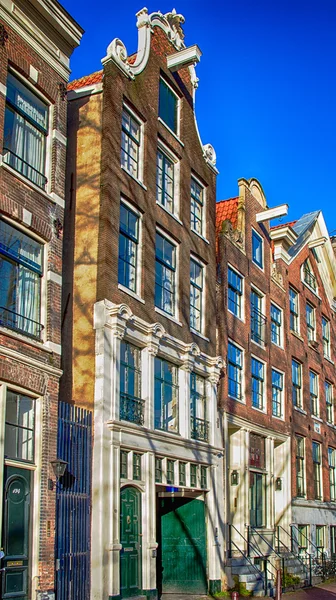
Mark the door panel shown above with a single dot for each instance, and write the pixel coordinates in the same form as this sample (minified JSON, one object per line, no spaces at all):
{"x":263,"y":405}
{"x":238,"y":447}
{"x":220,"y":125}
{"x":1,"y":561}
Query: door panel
{"x":16,"y":545}
{"x":130,"y":530}
{"x":183,"y":546}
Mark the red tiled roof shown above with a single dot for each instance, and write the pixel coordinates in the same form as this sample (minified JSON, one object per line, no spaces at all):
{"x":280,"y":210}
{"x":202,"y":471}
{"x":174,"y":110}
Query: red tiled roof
{"x":96,"y":77}
{"x":290,"y":224}
{"x":226,"y":210}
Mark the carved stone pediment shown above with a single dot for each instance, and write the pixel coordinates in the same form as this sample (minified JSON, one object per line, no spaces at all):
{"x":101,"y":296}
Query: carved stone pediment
{"x":276,"y":276}
{"x":234,"y":235}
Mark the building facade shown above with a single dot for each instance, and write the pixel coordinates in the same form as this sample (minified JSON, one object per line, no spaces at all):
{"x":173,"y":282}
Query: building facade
{"x":140,"y":316}
{"x":36,"y":42}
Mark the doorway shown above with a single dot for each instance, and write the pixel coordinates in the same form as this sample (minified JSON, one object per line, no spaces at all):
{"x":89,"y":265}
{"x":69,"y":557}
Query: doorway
{"x":130,"y":539}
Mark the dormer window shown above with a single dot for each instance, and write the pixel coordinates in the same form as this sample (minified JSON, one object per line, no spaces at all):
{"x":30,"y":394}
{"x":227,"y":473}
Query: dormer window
{"x":308,"y":275}
{"x":168,"y":106}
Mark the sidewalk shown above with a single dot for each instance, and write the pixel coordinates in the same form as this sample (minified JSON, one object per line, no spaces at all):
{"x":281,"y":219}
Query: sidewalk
{"x":325,"y":591}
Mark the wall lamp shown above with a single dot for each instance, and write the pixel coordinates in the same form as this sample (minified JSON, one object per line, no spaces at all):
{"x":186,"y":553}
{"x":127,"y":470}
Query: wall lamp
{"x":234,"y":477}
{"x":59,"y":467}
{"x":278,"y":483}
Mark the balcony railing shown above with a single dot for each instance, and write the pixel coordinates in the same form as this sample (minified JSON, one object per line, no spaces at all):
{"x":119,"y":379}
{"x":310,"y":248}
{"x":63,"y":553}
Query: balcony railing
{"x":23,"y":167}
{"x":309,"y":278}
{"x":131,"y":409}
{"x":20,"y":323}
{"x":199,"y":429}
{"x":258,"y":326}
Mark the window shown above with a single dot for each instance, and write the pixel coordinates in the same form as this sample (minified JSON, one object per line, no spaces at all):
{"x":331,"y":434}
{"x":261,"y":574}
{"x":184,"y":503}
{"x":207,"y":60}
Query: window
{"x":257,"y":249}
{"x":21,"y":260}
{"x":296,"y":384}
{"x":328,"y":390}
{"x":257,"y":383}
{"x":320,"y":537}
{"x":293,"y":310}
{"x":300,"y":466}
{"x":196,"y":295}
{"x":258,"y":320}
{"x":204,"y":477}
{"x":165,"y":266}
{"x":128,"y":248}
{"x":276,"y":325}
{"x":199,"y":427}
{"x":25,"y":132}
{"x":123,"y":464}
{"x":165,"y":396}
{"x":235,"y":371}
{"x":193,"y":475}
{"x":235,"y":292}
{"x":158,"y":470}
{"x":257,"y":451}
{"x":168,"y":106}
{"x":170,"y":471}
{"x":310,"y":319}
{"x":303,"y":538}
{"x":332,"y":477}
{"x":196,"y":206}
{"x":308,"y":275}
{"x":136,"y":466}
{"x":313,"y":387}
{"x":131,"y":405}
{"x":19,"y":427}
{"x":326,"y":337}
{"x":182,"y":473}
{"x":257,"y":499}
{"x":130,"y":143}
{"x":277,"y":393}
{"x":317,"y":471}
{"x":164,"y":181}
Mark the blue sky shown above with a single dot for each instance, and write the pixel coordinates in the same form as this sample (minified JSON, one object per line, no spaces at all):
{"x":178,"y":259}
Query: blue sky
{"x":267,"y":89}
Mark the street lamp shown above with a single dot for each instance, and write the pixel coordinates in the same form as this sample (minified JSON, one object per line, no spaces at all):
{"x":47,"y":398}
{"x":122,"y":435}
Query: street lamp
{"x":59,"y":466}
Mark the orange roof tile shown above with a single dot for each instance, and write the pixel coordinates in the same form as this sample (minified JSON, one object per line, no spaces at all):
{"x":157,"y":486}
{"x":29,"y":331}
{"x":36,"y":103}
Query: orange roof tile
{"x":96,"y":77}
{"x":290,"y":224}
{"x":226,"y":210}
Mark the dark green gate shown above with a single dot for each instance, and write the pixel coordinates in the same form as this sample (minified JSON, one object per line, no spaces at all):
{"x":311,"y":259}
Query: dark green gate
{"x":130,"y":539}
{"x":16,"y":543}
{"x":183,"y":546}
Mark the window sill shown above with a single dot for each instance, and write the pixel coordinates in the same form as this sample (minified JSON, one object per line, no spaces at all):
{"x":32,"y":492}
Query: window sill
{"x":200,"y":236}
{"x":26,"y":181}
{"x":300,"y":410}
{"x":237,"y":399}
{"x":278,"y":418}
{"x":262,"y":269}
{"x":134,"y":178}
{"x":331,"y":425}
{"x":277,"y":345}
{"x":170,"y":317}
{"x":317,"y":418}
{"x":195,"y":332}
{"x":261,"y":410}
{"x":328,"y":359}
{"x":297,"y":335}
{"x":236,"y":316}
{"x":169,"y":213}
{"x":125,"y":289}
{"x":171,"y":131}
{"x":260,"y":345}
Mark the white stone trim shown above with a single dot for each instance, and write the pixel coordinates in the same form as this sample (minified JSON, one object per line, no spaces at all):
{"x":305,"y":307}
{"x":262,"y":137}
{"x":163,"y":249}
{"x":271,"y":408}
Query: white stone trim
{"x":55,"y":277}
{"x":56,"y":348}
{"x":57,"y":135}
{"x":87,"y":90}
{"x":26,"y":217}
{"x":57,"y":199}
{"x":27,"y":360}
{"x":184,"y":58}
{"x":3,"y":89}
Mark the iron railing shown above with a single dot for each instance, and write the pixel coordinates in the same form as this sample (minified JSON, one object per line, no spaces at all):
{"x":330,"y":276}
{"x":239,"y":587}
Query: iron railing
{"x":131,"y":409}
{"x":199,"y":429}
{"x":309,"y":278}
{"x":23,"y":167}
{"x":20,"y":323}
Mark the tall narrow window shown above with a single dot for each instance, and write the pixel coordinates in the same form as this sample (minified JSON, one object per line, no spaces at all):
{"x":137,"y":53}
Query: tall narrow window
{"x":25,"y":132}
{"x":165,"y":396}
{"x":326,"y":337}
{"x":235,"y":371}
{"x":123,"y":464}
{"x":308,"y":275}
{"x":130,"y":144}
{"x":257,"y":499}
{"x":199,"y":426}
{"x":300,"y":466}
{"x":293,"y":310}
{"x":196,"y":295}
{"x":170,"y":471}
{"x":296,"y":384}
{"x":235,"y":292}
{"x":136,"y":466}
{"x":165,"y":181}
{"x":21,"y":260}
{"x":276,"y":325}
{"x":168,"y":106}
{"x":319,"y":539}
{"x":277,"y":393}
{"x":165,"y":266}
{"x":204,"y":477}
{"x":332,"y":472}
{"x":19,"y":427}
{"x":128,"y":248}
{"x":310,"y":319}
{"x":158,"y":470}
{"x":257,"y":249}
{"x":131,"y":405}
{"x":182,"y":473}
{"x":196,"y":206}
{"x":328,"y":390}
{"x":193,"y":475}
{"x":317,"y":470}
{"x":303,"y":538}
{"x":314,"y":399}
{"x":257,"y":380}
{"x":258,"y":319}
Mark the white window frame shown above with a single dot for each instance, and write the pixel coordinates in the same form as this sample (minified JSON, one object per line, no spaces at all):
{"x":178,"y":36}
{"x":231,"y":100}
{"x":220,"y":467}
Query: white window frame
{"x":136,"y":117}
{"x":203,"y":304}
{"x":311,"y":327}
{"x":326,"y":354}
{"x":262,"y":297}
{"x":137,"y":293}
{"x":300,"y":406}
{"x":242,"y":371}
{"x":175,"y":316}
{"x":317,"y":395}
{"x":242,"y":297}
{"x":262,"y":267}
{"x":303,"y":458}
{"x":331,"y":387}
{"x":308,"y":262}
{"x":281,"y":344}
{"x":264,"y":384}
{"x":297,"y":316}
{"x":176,"y":133}
{"x":202,"y":235}
{"x":282,"y":417}
{"x":164,"y":149}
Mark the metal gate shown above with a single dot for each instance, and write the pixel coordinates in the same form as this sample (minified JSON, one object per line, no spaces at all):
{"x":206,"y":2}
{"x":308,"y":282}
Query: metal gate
{"x":73,"y":504}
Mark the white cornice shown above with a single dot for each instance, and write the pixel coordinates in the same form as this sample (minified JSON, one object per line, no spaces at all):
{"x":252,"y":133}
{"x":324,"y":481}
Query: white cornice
{"x":87,"y":90}
{"x":184,"y":58}
{"x":32,"y":362}
{"x":272,"y":213}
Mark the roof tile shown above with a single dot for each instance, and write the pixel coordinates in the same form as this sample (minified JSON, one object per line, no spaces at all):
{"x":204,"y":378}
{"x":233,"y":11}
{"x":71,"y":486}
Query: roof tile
{"x":226,"y":210}
{"x":76,"y":84}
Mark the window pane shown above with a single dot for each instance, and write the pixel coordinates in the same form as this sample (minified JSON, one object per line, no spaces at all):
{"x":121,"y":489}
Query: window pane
{"x":168,"y":106}
{"x":257,"y":249}
{"x":19,"y":427}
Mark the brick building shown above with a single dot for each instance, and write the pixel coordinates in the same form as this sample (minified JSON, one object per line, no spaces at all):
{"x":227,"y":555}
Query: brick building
{"x":36,"y":42}
{"x":276,"y":289}
{"x":140,"y":316}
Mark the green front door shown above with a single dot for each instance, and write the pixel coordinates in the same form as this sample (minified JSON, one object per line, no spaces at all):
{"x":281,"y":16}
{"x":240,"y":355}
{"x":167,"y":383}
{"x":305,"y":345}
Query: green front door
{"x":130,"y":530}
{"x":15,"y":541}
{"x":183,"y":546}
